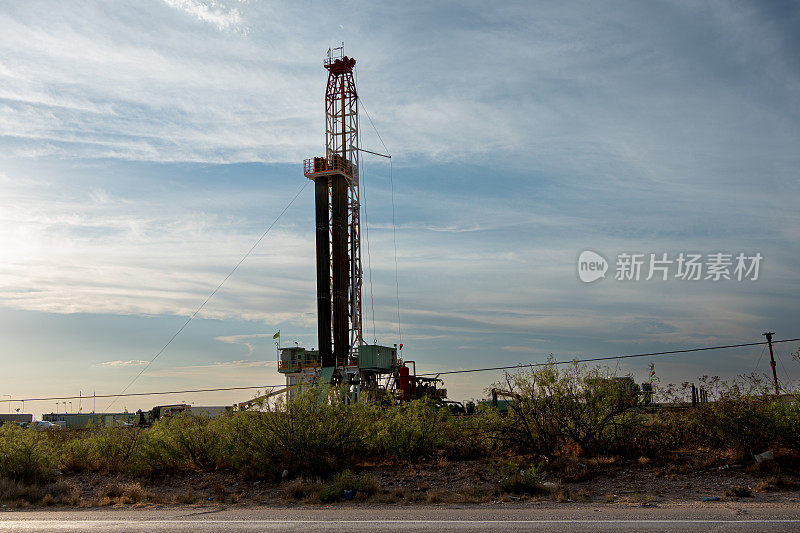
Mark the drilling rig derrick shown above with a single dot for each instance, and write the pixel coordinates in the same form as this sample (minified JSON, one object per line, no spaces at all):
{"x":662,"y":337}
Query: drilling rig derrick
{"x":338,"y":218}
{"x":368,"y":369}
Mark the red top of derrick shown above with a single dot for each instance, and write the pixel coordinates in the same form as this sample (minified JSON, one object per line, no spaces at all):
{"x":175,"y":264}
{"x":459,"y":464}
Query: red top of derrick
{"x":341,"y":66}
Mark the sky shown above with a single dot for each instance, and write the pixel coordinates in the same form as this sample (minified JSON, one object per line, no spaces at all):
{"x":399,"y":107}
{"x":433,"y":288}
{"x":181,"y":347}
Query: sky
{"x":146,"y":146}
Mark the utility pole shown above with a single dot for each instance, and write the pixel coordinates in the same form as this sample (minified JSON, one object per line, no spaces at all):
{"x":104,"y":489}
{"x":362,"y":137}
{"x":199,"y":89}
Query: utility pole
{"x":769,"y":335}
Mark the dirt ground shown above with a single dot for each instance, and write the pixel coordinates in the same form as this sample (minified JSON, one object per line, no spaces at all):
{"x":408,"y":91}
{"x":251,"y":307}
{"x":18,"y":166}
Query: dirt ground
{"x":601,"y":481}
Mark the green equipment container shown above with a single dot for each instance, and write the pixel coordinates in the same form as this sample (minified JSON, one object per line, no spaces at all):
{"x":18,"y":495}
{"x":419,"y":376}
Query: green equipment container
{"x":375,"y":358}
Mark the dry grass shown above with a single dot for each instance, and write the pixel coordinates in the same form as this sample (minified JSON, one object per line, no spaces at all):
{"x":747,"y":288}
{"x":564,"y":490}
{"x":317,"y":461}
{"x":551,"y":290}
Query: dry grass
{"x":776,"y":484}
{"x":301,"y":490}
{"x":576,"y":470}
{"x":561,"y":496}
{"x":739,"y":492}
{"x":125,"y":494}
{"x":113,"y":491}
{"x":435,"y":496}
{"x":185,"y":498}
{"x":26,"y":494}
{"x":219,"y":493}
{"x":479,"y":494}
{"x":388,"y":496}
{"x":133,"y":494}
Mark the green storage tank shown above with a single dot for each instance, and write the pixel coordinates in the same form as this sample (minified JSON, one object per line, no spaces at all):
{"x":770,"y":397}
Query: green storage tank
{"x":375,"y":358}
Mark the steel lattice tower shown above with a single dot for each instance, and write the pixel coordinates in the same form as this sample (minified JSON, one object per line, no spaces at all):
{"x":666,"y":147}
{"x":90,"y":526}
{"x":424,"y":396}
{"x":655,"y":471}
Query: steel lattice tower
{"x":338,"y":218}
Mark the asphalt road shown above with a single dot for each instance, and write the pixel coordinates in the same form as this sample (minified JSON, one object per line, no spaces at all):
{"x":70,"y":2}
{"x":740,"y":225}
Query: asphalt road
{"x":723,"y":517}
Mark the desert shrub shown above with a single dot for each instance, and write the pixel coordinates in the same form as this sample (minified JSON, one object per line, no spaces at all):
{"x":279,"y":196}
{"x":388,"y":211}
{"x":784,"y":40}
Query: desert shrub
{"x":786,"y":420}
{"x":155,"y":453}
{"x":310,"y":436}
{"x":518,"y":479}
{"x":114,"y":446}
{"x":77,"y":453}
{"x":466,"y":437}
{"x":742,"y":415}
{"x":413,"y":430}
{"x":556,"y":410}
{"x":196,"y":440}
{"x":345,"y":481}
{"x":25,"y":455}
{"x":250,"y":446}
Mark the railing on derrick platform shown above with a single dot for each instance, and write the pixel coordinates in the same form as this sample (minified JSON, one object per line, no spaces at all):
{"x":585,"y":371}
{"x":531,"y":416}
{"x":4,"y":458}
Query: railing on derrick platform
{"x":297,"y":365}
{"x":322,"y":166}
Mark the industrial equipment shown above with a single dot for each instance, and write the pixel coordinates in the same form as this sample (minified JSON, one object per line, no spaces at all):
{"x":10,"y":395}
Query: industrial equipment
{"x":371,"y":372}
{"x":146,"y":418}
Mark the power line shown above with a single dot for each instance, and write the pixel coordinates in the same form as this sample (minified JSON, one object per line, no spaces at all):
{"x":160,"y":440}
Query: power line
{"x":606,"y":358}
{"x":759,"y":358}
{"x":594,"y":359}
{"x":221,"y":283}
{"x":785,"y":372}
{"x":190,"y":391}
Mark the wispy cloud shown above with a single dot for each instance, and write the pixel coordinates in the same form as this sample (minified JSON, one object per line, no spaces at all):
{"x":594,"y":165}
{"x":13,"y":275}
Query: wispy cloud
{"x":519,"y":349}
{"x":132,"y":362}
{"x":213,"y":12}
{"x":223,"y":370}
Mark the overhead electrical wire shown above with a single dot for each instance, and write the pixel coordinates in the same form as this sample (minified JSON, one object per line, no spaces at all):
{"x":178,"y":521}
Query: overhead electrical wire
{"x":218,"y":287}
{"x":529,"y":365}
{"x":760,"y":357}
{"x":92,"y":396}
{"x":785,"y":372}
{"x":605,"y":358}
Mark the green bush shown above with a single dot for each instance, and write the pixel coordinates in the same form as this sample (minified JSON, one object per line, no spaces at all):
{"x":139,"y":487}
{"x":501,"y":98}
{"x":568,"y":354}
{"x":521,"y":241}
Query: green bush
{"x":25,"y":455}
{"x":309,"y":436}
{"x":786,"y":417}
{"x":742,"y":416}
{"x":518,"y":479}
{"x":346,"y":481}
{"x":155,"y":453}
{"x":559,"y":410}
{"x":77,"y":452}
{"x":194,"y":440}
{"x":411,"y":431}
{"x":250,"y":446}
{"x":114,"y":446}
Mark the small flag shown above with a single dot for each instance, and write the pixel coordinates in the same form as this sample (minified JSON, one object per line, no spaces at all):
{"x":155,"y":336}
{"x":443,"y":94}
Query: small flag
{"x":277,"y":335}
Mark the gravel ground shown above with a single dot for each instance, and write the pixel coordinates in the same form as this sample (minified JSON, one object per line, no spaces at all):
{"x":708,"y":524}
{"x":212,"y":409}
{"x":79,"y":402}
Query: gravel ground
{"x":603,"y":481}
